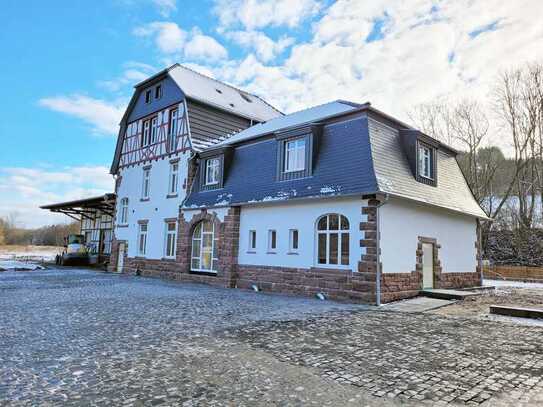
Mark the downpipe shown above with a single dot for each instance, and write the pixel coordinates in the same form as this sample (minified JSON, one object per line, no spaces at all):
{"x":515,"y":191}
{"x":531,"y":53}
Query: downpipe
{"x":378,"y":250}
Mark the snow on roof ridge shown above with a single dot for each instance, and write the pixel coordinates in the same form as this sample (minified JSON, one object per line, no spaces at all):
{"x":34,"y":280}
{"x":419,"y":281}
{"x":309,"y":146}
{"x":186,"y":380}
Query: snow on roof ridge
{"x":225,"y":84}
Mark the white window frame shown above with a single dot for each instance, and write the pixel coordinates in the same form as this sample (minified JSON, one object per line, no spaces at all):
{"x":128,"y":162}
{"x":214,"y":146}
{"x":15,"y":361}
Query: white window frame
{"x":291,"y":234}
{"x":328,"y":232}
{"x":252,"y":240}
{"x":142,"y":239}
{"x":200,"y":241}
{"x":158,"y":89}
{"x":212,"y":171}
{"x":154,"y":129}
{"x":170,"y":240}
{"x":123,"y":213}
{"x":148,"y":96}
{"x":272,"y":241}
{"x":174,"y":128}
{"x":146,"y":137}
{"x":425,"y":161}
{"x":295,"y":154}
{"x":173,"y":178}
{"x":146,"y":183}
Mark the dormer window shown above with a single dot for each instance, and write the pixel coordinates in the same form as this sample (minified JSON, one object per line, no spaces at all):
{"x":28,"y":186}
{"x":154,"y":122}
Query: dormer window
{"x":295,"y":155}
{"x":212,"y":171}
{"x":148,"y":95}
{"x":425,"y":161}
{"x":158,"y":91}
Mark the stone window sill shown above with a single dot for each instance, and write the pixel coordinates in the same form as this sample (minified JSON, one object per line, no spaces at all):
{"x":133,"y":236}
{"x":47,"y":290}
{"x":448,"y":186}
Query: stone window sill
{"x":293,"y":253}
{"x":171,"y":196}
{"x":271,"y":252}
{"x":144,"y":199}
{"x":122,"y":225}
{"x":140,"y":258}
{"x":251,"y":252}
{"x":169,"y":259}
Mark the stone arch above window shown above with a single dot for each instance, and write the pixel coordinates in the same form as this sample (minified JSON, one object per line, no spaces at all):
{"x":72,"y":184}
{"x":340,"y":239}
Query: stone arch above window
{"x":333,"y":240}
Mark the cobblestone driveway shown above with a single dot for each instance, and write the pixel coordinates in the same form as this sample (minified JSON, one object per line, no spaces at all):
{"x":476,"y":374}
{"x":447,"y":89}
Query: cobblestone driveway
{"x":84,"y":338}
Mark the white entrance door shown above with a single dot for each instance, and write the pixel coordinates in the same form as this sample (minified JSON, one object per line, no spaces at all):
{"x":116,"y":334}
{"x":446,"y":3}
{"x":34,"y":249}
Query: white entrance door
{"x":120,"y":258}
{"x":427,"y":265}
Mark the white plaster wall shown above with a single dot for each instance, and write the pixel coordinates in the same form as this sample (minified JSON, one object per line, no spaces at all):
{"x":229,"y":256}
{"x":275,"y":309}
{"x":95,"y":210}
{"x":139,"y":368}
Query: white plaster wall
{"x":155,"y":210}
{"x":402,"y":222}
{"x":300,"y":215}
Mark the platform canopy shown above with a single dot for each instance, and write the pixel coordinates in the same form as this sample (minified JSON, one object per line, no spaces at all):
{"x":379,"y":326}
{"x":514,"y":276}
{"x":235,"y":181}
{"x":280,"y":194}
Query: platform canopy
{"x":85,"y":208}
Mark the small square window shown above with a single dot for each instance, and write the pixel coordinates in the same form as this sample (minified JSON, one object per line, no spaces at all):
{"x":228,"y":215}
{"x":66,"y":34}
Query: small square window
{"x":252,"y":240}
{"x":212,"y":171}
{"x":293,"y":240}
{"x":272,"y":241}
{"x":148,"y":96}
{"x":158,"y":91}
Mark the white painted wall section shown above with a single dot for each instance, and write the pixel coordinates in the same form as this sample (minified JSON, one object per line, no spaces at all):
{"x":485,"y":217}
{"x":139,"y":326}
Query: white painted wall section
{"x":155,"y":210}
{"x":302,"y":216}
{"x":402,"y":222}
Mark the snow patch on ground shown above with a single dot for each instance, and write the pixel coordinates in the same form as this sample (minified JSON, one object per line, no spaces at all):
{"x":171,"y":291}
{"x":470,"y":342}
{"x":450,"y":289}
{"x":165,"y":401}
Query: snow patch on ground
{"x":6,"y":265}
{"x":515,"y":284}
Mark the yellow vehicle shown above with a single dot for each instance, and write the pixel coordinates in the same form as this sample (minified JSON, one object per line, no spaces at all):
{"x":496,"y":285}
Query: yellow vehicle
{"x":75,"y":252}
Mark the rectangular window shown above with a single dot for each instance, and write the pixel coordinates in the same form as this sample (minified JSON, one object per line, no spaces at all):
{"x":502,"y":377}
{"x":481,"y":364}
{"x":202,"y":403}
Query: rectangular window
{"x":212,"y":171}
{"x":295,"y":155}
{"x":171,"y":234}
{"x":252,"y":239}
{"x":272,"y":241}
{"x":148,"y":96}
{"x":293,"y":240}
{"x":173,"y":131}
{"x":154,"y":129}
{"x":146,"y":184}
{"x":145,"y":137}
{"x":173,"y":179}
{"x":142,"y":239}
{"x":425,"y":162}
{"x":158,"y":92}
{"x":123,"y":219}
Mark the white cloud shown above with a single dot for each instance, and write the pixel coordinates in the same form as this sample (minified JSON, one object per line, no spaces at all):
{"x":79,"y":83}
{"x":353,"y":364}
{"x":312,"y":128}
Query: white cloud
{"x":25,"y":189}
{"x":204,"y":47}
{"x":133,"y":72}
{"x":253,"y":14}
{"x":165,"y":7}
{"x":173,"y":41}
{"x":168,"y":36}
{"x":103,"y":116}
{"x":265,"y":48}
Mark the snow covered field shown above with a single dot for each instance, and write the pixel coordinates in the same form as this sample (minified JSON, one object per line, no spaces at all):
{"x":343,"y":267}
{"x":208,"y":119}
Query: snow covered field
{"x":26,"y":257}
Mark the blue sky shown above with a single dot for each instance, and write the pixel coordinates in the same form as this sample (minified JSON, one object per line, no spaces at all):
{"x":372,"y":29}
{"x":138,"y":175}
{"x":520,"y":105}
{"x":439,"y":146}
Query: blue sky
{"x":69,"y":67}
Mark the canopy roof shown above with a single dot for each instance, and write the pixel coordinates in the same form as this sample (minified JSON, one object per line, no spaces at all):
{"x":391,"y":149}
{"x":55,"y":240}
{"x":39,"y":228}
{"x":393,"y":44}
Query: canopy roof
{"x":84,"y":207}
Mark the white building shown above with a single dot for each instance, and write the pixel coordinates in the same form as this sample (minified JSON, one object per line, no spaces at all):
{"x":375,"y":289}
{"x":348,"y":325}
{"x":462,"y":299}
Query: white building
{"x":215,"y":185}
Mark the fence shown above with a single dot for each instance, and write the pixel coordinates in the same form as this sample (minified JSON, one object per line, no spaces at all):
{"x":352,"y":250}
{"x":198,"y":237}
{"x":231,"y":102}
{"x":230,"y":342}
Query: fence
{"x":519,"y":273}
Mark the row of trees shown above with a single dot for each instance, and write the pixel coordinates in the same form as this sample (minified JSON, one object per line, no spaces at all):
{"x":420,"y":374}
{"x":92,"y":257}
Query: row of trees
{"x":510,"y":186}
{"x":12,"y":234}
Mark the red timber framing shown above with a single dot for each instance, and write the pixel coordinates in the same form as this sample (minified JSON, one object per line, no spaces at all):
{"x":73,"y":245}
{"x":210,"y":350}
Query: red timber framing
{"x":96,"y":221}
{"x":133,"y":152}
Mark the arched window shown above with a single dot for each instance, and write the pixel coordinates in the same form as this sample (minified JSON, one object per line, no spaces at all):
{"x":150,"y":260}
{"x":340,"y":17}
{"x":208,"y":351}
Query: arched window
{"x":333,"y":240}
{"x":204,"y":247}
{"x":123,"y":216}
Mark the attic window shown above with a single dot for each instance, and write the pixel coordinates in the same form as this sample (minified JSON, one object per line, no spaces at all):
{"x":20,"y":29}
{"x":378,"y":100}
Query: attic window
{"x":245,"y":97}
{"x":158,"y":92}
{"x":148,"y":96}
{"x":426,"y":163}
{"x":218,"y":90}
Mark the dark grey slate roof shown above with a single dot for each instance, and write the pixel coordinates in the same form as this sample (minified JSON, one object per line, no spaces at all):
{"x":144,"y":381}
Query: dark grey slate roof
{"x":394,"y":176}
{"x":360,"y":155}
{"x":337,"y":170}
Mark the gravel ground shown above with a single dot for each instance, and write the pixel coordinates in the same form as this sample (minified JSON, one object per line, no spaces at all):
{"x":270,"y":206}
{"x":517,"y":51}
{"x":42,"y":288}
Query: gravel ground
{"x":78,"y":337}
